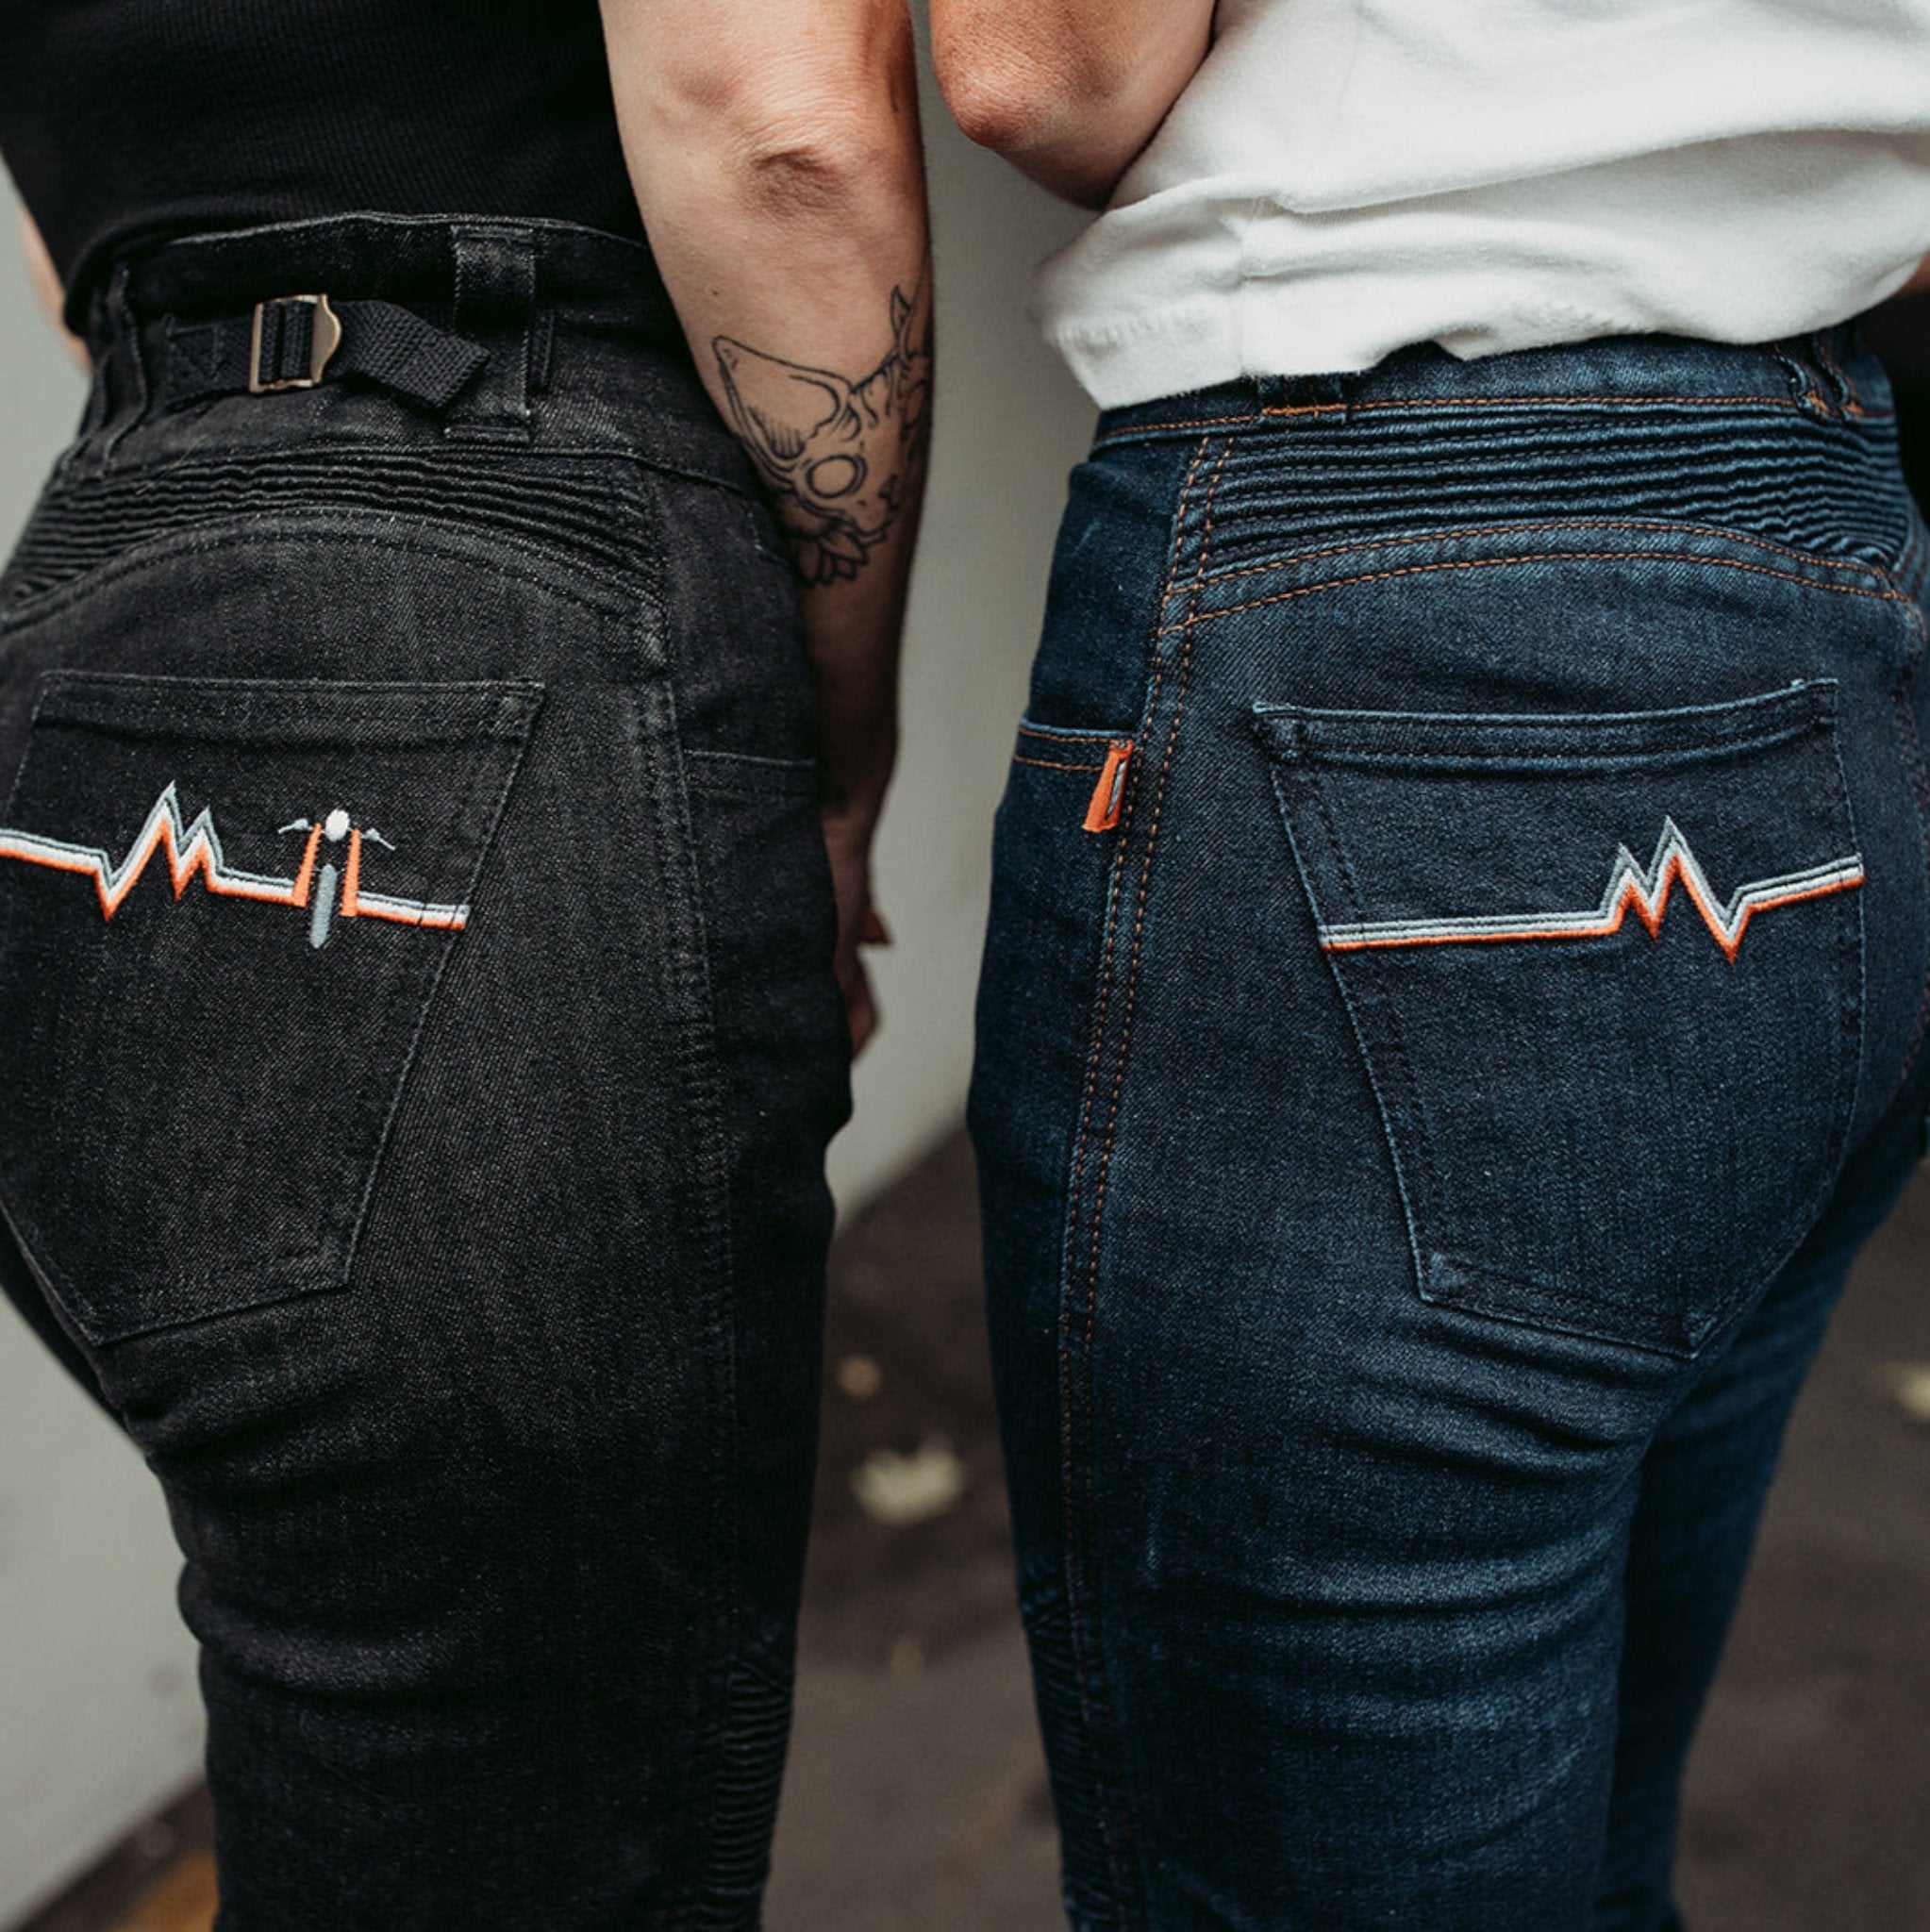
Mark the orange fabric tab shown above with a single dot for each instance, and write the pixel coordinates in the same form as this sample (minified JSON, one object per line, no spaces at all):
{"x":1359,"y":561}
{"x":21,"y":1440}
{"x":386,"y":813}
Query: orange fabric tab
{"x":1101,"y":814}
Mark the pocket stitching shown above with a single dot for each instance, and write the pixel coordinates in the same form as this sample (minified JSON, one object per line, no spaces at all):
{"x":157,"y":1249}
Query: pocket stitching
{"x":1886,"y":596}
{"x":326,"y":1264}
{"x":1688,"y":1334}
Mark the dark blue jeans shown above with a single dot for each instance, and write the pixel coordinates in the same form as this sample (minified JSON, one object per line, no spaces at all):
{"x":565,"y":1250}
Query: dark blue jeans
{"x":418,"y":1042}
{"x":1454,"y":1003}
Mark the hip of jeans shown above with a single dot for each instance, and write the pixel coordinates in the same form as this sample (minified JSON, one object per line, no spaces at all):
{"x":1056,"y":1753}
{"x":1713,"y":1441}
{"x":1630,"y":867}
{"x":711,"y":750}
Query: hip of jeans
{"x":419,"y":332}
{"x":1786,"y":448}
{"x":1564,"y":752}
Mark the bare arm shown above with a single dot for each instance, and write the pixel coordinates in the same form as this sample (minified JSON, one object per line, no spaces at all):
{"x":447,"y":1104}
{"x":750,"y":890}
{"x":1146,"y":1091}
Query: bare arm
{"x":45,"y":283}
{"x":1067,"y":91}
{"x":775,"y":155}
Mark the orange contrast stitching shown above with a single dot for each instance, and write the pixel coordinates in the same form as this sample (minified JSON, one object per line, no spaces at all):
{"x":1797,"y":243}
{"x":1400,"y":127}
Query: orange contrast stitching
{"x":1645,"y":891}
{"x":1416,"y":570}
{"x":1457,"y":402}
{"x":1091,"y":1679}
{"x":1126,"y":1015}
{"x":192,"y":850}
{"x":1358,"y":547}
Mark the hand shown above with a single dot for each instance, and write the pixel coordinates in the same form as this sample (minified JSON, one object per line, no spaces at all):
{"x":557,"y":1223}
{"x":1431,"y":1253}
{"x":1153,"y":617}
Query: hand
{"x":848,"y":833}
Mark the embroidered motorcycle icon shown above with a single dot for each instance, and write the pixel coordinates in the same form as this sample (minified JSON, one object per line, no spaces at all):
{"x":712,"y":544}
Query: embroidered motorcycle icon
{"x":318,"y":892}
{"x":192,"y":848}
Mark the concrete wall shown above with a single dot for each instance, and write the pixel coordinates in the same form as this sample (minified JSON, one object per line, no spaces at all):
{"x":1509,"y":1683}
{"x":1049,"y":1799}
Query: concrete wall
{"x":98,"y":1718}
{"x":1009,"y":424}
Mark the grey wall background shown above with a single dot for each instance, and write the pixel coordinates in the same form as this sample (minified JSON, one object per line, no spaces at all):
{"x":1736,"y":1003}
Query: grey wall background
{"x":98,"y":1718}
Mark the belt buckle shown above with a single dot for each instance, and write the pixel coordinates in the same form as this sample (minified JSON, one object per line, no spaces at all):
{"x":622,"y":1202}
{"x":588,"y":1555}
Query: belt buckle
{"x":324,"y":339}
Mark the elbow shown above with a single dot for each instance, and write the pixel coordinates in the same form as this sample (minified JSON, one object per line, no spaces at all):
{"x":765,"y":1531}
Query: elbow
{"x":1005,"y":112}
{"x":1059,"y":140}
{"x":1057,"y":114}
{"x":1015,"y":96}
{"x":811,"y":132}
{"x":818,"y":164}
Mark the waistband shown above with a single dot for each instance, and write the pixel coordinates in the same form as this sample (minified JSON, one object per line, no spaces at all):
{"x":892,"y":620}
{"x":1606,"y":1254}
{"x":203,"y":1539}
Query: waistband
{"x":1830,"y":373}
{"x":402,"y":327}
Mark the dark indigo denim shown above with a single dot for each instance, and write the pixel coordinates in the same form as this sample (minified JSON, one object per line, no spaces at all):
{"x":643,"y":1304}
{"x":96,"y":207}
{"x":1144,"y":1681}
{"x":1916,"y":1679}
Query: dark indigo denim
{"x":1424,"y":1134}
{"x":430,"y":1178}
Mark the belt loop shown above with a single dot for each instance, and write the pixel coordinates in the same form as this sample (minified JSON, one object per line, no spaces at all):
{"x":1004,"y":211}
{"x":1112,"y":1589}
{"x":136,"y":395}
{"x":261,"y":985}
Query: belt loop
{"x":100,"y":343}
{"x":1796,"y":356}
{"x":122,"y":380}
{"x":495,"y":306}
{"x":1830,"y":347}
{"x":1309,"y":398}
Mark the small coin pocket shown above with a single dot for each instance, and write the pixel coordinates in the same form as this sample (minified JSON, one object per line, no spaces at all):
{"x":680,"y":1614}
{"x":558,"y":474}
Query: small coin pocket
{"x":1606,"y":973}
{"x":223,"y":908}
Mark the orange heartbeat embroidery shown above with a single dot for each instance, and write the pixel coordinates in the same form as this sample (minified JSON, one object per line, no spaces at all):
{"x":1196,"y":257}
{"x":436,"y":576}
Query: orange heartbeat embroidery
{"x":1644,"y":889}
{"x":192,"y":848}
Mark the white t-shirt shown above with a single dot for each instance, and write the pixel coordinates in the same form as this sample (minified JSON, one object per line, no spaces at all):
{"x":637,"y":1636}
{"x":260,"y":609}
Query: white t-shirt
{"x":1343,"y":177}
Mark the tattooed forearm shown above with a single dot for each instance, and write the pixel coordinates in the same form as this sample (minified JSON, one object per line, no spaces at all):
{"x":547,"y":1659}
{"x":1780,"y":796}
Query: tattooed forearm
{"x":841,"y":457}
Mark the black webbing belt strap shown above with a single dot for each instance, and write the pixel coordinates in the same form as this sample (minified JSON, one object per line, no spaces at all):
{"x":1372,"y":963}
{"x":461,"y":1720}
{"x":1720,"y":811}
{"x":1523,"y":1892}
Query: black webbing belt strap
{"x":297,"y":342}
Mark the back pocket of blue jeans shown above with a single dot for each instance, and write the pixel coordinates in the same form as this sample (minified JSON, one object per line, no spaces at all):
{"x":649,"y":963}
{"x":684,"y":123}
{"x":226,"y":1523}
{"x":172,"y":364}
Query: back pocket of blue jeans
{"x":1606,"y":972}
{"x":224,"y":907}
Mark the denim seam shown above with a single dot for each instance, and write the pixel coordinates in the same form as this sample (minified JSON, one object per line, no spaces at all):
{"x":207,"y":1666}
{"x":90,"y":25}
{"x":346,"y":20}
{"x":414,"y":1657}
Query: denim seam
{"x":683,"y":972}
{"x":342,"y":1235}
{"x":1288,"y":558}
{"x":123,"y":317}
{"x":519,"y":748}
{"x":1422,"y":1135}
{"x":1904,"y":572}
{"x":210,"y":538}
{"x":1847,"y":398}
{"x":1470,"y":405}
{"x":1430,"y":1173}
{"x":686,"y":968}
{"x":1850,"y":1087}
{"x":59,"y":1289}
{"x":1129,"y":1899}
{"x":1069,"y":738}
{"x":1082,"y":1632}
{"x":1912,"y":741}
{"x":749,"y":774}
{"x":1541,"y":557}
{"x":1052,"y":765}
{"x":277,"y":454}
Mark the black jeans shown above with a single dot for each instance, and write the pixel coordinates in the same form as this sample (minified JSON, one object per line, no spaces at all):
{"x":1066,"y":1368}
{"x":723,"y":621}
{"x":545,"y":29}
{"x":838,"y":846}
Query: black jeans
{"x":419,"y":1042}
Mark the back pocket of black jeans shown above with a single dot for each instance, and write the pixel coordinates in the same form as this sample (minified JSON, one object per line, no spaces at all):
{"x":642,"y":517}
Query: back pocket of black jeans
{"x":1606,"y":972}
{"x":224,"y":904}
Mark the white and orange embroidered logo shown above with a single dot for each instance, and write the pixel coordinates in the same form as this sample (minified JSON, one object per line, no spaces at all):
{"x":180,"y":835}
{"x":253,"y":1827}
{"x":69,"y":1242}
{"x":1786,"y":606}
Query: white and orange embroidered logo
{"x":193,"y":847}
{"x":1632,"y":886}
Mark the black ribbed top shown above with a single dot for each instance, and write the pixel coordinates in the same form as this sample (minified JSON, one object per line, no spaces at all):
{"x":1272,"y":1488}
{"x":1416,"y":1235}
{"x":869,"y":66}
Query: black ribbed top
{"x":121,"y":119}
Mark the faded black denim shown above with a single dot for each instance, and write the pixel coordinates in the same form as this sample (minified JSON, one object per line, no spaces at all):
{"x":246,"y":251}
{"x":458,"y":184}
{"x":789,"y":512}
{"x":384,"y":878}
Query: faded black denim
{"x":419,"y":1042}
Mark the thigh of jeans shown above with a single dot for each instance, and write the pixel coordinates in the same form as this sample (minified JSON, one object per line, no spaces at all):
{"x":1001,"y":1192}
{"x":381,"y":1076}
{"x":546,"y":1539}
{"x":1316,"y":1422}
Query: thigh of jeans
{"x":431,"y":1170}
{"x":1503,"y":935}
